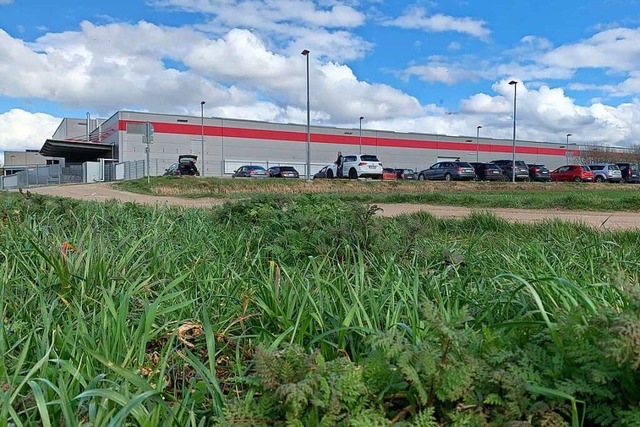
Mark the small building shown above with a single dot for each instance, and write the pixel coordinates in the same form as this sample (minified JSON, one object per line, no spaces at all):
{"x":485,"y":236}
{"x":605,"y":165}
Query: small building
{"x":18,"y":161}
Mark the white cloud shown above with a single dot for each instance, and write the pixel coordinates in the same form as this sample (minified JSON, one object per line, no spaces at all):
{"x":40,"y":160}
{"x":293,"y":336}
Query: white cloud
{"x":6,"y":2}
{"x":547,"y":114}
{"x":263,"y":14}
{"x":20,"y":130}
{"x":615,"y":49}
{"x":417,"y":18}
{"x":109,"y":67}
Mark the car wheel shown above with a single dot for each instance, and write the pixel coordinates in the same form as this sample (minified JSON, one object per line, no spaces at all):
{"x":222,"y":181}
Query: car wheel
{"x":447,"y":177}
{"x":527,"y":180}
{"x":330,"y":174}
{"x":577,"y":179}
{"x":353,"y":174}
{"x":599,"y":179}
{"x":420,"y":177}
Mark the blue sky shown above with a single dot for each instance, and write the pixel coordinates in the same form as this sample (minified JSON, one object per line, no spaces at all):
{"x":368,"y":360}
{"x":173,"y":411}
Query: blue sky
{"x":424,"y":66}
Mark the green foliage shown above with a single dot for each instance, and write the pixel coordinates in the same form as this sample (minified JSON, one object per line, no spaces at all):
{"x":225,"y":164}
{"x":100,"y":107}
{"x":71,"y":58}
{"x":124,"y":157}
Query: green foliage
{"x":307,"y":310}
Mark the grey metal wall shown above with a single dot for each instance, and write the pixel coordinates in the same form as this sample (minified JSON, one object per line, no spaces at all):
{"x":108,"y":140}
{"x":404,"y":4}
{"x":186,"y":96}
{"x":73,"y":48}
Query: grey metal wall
{"x":186,"y":139}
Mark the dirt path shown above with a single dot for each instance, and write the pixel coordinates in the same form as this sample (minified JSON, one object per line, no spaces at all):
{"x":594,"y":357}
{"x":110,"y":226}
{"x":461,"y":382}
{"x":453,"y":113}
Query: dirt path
{"x":607,"y":220}
{"x":104,"y":191}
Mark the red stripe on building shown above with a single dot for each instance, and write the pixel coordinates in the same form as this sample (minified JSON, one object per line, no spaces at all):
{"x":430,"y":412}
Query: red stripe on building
{"x":277,"y":135}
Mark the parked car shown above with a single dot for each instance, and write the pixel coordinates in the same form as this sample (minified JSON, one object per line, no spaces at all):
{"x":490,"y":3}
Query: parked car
{"x":575,"y":173}
{"x":539,"y":173}
{"x":448,"y":171}
{"x":283,"y":172}
{"x":388,"y":173}
{"x":405,"y":174}
{"x":250,"y":171}
{"x":522,"y":171}
{"x":325,"y":172}
{"x":629,"y":172}
{"x":488,"y":171}
{"x":603,"y":172}
{"x":186,"y":165}
{"x":361,"y":166}
{"x":355,"y":166}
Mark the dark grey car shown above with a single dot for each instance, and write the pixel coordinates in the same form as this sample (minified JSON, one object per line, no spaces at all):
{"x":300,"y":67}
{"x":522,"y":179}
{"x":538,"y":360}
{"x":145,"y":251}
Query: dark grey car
{"x":250,"y":171}
{"x":448,"y":171}
{"x":522,"y":171}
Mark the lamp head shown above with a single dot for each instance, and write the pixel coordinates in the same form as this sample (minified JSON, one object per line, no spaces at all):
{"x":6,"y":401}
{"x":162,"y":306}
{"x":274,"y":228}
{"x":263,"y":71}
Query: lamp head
{"x":361,"y":118}
{"x":479,"y":127}
{"x":202,"y":102}
{"x":305,"y":52}
{"x":513,"y":82}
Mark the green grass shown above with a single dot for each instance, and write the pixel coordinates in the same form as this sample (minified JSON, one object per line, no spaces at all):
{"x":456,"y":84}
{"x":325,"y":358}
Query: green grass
{"x":569,"y":196}
{"x":120,"y":312}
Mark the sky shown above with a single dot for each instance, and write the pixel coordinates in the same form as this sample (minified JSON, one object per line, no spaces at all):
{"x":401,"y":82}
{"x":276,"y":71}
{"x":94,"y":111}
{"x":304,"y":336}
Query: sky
{"x":409,"y":66}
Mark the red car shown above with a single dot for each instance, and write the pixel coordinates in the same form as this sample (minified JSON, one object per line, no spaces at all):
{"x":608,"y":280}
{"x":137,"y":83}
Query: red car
{"x":388,"y":173}
{"x":575,"y":173}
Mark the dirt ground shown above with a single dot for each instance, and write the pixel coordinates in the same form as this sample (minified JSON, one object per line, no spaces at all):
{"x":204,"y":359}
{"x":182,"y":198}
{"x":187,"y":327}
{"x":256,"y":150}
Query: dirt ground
{"x":605,"y":220}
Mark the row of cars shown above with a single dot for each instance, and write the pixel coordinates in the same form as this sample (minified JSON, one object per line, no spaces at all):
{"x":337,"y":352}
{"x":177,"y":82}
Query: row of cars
{"x":503,"y":170}
{"x":369,"y":166}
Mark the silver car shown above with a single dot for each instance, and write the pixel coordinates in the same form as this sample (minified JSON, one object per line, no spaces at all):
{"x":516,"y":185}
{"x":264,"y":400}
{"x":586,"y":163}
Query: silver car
{"x":603,"y":172}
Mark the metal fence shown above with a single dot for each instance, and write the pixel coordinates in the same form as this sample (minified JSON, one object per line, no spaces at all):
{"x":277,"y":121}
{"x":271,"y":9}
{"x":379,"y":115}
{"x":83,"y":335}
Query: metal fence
{"x":34,"y":176}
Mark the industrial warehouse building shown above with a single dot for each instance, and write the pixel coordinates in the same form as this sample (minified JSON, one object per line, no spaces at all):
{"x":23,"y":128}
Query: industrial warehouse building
{"x":230,"y":143}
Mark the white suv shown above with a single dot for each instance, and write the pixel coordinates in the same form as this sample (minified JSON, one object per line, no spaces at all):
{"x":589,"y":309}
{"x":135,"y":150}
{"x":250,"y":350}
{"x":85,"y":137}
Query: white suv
{"x":603,"y":172}
{"x":358,"y":166}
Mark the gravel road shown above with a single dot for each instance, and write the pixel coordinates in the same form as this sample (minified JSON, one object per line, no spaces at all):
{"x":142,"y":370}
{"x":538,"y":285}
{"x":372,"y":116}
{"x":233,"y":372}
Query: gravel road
{"x":605,"y":220}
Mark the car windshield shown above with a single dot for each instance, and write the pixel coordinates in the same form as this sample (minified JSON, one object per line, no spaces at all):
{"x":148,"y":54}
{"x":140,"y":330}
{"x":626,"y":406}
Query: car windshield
{"x":633,"y":167}
{"x":287,"y":169}
{"x":464,"y":165}
{"x":255,"y":168}
{"x":614,"y":167}
{"x":491,"y":166}
{"x":369,"y":158}
{"x":521,"y":164}
{"x":586,"y":168}
{"x":408,"y":171}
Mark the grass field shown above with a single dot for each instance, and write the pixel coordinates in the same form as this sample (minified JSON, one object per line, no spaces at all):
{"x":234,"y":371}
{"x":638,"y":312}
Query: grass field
{"x":592,"y":197}
{"x":288,"y":311}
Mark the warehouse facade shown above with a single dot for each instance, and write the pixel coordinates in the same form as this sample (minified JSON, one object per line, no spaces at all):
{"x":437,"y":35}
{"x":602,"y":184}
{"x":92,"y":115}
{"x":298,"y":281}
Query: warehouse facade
{"x":230,"y":143}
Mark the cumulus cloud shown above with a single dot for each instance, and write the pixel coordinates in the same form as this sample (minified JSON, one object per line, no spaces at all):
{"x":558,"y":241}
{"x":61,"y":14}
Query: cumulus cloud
{"x":20,"y":130}
{"x":290,"y":25}
{"x":418,"y":18}
{"x":548,"y":113}
{"x":112,"y":66}
{"x":615,"y":49}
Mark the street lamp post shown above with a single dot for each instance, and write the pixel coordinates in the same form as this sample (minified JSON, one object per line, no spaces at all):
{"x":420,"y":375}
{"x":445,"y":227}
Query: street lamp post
{"x":361,"y":118}
{"x":566,"y":153}
{"x":306,"y":53}
{"x":202,"y":134}
{"x":513,"y":154}
{"x":478,"y":143}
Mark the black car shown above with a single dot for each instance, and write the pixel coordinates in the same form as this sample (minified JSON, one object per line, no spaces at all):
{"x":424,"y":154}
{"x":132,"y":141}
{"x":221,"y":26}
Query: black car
{"x":405,"y":174}
{"x":629,"y":172}
{"x":539,"y":173}
{"x":488,"y":171}
{"x":522,"y":171}
{"x":186,"y":166}
{"x":448,"y":171}
{"x":283,"y":172}
{"x":250,"y":171}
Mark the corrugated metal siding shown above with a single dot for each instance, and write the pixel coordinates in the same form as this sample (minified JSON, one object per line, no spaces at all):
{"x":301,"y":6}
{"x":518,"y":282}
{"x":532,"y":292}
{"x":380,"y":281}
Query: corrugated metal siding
{"x":242,"y":140}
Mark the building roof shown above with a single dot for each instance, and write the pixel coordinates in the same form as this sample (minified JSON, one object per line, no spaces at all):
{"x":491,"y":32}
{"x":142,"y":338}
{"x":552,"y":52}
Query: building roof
{"x":76,"y":152}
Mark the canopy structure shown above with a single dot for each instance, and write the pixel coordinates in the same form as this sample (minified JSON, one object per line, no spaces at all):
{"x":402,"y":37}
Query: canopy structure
{"x":76,"y":152}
